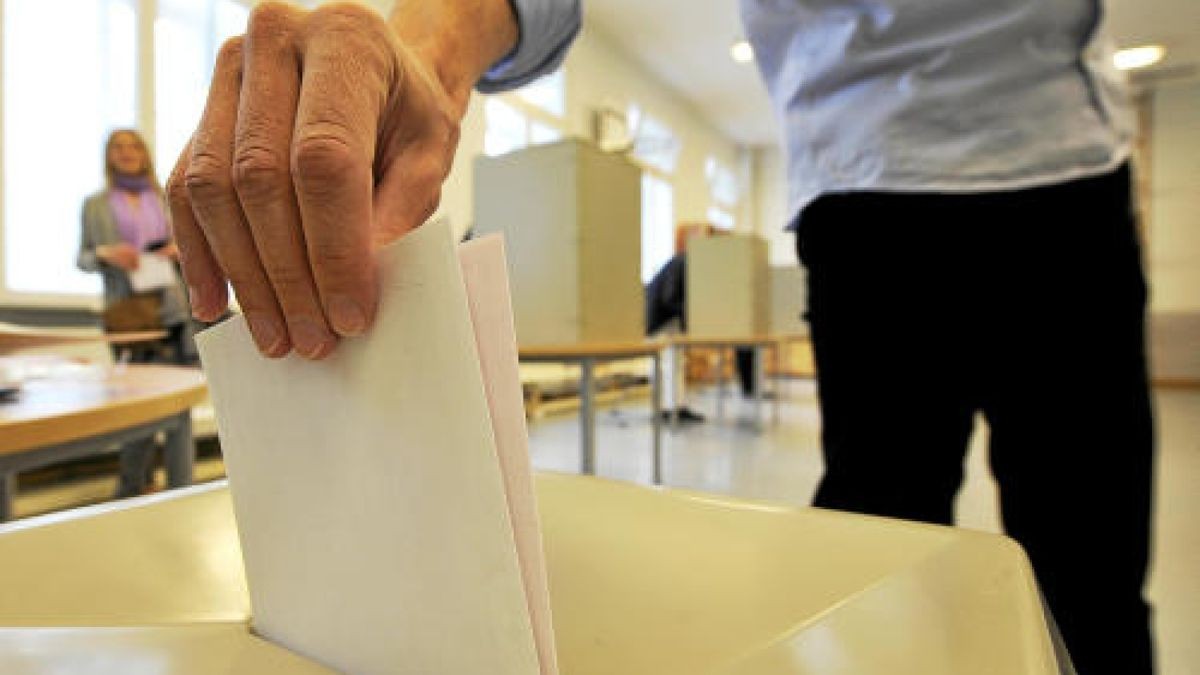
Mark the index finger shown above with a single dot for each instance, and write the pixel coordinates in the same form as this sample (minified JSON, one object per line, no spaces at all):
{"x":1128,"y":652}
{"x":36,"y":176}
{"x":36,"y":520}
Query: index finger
{"x":333,"y":150}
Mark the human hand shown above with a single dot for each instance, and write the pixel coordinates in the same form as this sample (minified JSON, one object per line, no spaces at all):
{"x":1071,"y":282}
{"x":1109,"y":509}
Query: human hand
{"x":123,"y":256}
{"x":326,"y":134}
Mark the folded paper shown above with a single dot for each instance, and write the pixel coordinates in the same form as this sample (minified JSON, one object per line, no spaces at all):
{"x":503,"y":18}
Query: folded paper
{"x":372,"y":499}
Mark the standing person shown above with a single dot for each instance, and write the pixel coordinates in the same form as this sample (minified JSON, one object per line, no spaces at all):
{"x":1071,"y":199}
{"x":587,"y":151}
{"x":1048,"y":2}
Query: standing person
{"x":959,"y":183}
{"x":958,"y":177}
{"x":121,"y":223}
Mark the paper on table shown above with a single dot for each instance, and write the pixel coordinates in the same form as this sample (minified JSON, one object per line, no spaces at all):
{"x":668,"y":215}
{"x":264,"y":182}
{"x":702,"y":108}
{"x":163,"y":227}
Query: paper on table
{"x":153,"y":272}
{"x":368,"y":494}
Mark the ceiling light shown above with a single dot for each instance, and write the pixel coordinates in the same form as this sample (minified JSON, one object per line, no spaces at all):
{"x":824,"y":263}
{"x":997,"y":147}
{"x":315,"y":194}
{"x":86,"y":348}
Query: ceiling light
{"x":1138,"y":57}
{"x":741,"y":51}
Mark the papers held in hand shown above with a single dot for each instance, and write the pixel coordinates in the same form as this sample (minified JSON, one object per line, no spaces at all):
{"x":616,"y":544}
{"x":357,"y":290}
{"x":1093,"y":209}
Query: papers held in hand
{"x":383,"y":496}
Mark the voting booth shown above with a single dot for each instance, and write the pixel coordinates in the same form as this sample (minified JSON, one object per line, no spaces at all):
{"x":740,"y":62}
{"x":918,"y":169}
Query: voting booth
{"x":727,"y":286}
{"x":571,"y":218}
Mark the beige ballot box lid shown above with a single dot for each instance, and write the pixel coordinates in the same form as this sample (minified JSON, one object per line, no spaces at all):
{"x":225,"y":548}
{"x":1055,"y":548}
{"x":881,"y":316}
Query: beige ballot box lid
{"x":642,"y":581}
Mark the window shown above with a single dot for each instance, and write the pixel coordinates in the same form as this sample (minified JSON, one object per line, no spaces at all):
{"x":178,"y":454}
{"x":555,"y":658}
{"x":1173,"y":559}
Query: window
{"x":654,"y":143}
{"x":507,"y":128}
{"x":723,"y":187}
{"x":658,"y":224}
{"x":547,"y":94}
{"x":57,"y":113}
{"x":187,"y":36}
{"x":528,"y":116}
{"x":722,"y":182}
{"x":721,"y":218}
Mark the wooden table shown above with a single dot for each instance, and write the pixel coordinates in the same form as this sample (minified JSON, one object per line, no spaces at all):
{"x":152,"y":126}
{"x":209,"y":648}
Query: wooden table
{"x":587,"y":356}
{"x":14,"y":337}
{"x":59,"y":418}
{"x":759,"y":343}
{"x":643,"y":582}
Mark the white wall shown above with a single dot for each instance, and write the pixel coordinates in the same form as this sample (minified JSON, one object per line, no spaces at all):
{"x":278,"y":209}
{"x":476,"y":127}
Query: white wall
{"x":770,"y":197}
{"x":1174,"y":227}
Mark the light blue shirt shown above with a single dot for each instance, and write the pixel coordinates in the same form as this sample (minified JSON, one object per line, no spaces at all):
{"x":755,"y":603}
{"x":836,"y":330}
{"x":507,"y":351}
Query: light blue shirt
{"x":910,"y":95}
{"x":547,"y":28}
{"x":939,"y":95}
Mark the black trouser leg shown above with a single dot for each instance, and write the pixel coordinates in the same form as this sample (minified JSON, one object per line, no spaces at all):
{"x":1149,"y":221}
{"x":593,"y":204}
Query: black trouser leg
{"x":1068,"y":404}
{"x":1029,"y":306}
{"x":745,"y":369}
{"x":135,"y":462}
{"x":892,"y":365}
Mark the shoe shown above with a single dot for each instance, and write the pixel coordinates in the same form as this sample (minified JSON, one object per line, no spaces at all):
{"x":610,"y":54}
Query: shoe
{"x":683,"y":415}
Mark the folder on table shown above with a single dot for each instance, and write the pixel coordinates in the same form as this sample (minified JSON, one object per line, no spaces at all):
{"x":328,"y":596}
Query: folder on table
{"x":383,"y":496}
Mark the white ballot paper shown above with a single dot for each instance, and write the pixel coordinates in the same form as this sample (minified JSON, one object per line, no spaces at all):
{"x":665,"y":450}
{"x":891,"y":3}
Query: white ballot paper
{"x":153,"y":272}
{"x":383,"y":496}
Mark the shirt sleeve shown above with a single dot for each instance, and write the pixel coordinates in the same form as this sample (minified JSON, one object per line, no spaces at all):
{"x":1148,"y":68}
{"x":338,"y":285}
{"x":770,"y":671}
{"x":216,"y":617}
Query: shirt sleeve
{"x":547,"y":28}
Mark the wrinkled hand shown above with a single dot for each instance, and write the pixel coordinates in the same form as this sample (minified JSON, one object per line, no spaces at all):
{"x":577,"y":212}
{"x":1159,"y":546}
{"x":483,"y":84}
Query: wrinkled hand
{"x":122,"y":255}
{"x":324,"y":135}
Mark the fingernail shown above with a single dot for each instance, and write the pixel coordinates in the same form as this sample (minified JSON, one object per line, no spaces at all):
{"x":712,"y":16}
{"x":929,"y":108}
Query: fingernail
{"x":199,"y":303}
{"x":310,"y":339}
{"x":268,"y":334}
{"x":347,"y":317}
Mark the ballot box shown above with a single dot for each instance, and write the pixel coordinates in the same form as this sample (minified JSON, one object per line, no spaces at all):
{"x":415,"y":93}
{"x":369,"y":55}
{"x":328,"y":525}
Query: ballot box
{"x":643,"y":581}
{"x":728,"y":292}
{"x":571,"y":219}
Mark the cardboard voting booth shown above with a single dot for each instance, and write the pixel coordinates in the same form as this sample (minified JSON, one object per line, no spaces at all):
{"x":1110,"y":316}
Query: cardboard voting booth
{"x":571,"y":216}
{"x":728,"y":292}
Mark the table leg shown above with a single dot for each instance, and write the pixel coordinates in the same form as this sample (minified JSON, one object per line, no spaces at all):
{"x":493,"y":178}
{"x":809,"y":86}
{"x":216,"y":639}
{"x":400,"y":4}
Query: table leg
{"x":778,"y":388}
{"x":179,"y":454}
{"x":760,"y":383}
{"x":656,"y":386}
{"x":587,"y":415}
{"x":8,"y":490}
{"x":721,"y":383}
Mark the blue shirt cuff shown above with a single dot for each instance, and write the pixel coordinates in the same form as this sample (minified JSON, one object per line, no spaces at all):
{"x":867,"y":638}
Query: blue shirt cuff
{"x":547,"y":28}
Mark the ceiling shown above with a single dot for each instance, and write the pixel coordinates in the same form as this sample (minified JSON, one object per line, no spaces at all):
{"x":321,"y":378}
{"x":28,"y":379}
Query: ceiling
{"x":687,"y":48}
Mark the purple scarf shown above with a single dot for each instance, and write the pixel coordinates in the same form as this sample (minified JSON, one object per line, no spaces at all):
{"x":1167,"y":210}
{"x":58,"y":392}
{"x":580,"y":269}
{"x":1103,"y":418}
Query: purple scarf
{"x":139,"y":225}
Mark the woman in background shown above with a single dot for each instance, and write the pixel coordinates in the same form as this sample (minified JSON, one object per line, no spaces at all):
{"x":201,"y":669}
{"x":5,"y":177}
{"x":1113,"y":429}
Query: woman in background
{"x":121,"y":223}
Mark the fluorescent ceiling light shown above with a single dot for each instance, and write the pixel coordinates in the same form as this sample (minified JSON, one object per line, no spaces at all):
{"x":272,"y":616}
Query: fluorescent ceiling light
{"x":1138,"y":57}
{"x":741,"y":52}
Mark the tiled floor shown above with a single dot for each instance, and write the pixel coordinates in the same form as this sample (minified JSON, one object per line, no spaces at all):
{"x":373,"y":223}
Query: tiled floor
{"x":783,"y":464}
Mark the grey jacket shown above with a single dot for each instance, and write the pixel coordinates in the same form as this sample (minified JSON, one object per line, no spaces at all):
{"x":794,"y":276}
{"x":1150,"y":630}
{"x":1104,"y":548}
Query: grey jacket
{"x":100,"y":229}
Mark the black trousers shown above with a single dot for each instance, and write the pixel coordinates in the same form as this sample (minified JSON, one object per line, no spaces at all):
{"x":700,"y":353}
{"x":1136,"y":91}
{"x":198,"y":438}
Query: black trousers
{"x":1027,"y":306}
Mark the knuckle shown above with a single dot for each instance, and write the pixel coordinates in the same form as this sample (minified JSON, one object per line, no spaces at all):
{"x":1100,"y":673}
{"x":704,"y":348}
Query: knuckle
{"x":231,"y":50}
{"x":291,"y":282}
{"x":269,"y":19}
{"x":176,"y":188}
{"x":206,"y":178}
{"x":259,"y":173}
{"x":347,"y":15}
{"x":319,"y":159}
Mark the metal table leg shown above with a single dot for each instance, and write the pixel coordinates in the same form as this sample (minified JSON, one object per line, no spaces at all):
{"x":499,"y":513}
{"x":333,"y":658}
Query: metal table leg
{"x":778,"y":388}
{"x":721,"y":383}
{"x":8,"y":490}
{"x":587,"y":415}
{"x":656,"y":386}
{"x":760,"y":382}
{"x":179,"y":453}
